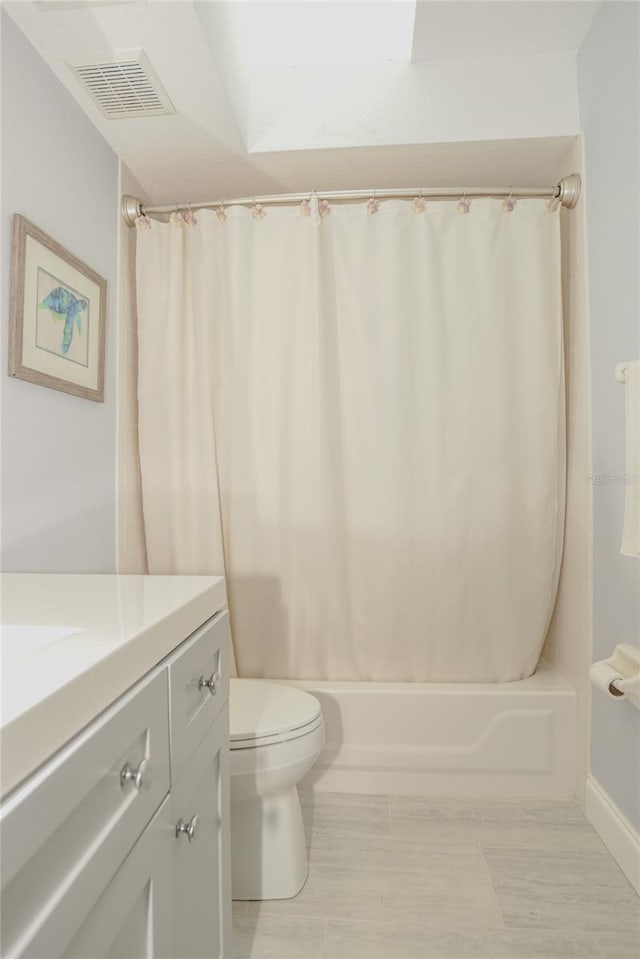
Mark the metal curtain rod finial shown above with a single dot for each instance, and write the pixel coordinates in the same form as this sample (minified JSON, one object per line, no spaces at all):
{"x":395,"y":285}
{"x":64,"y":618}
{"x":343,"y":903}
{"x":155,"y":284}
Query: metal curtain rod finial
{"x":567,"y":191}
{"x":131,"y":209}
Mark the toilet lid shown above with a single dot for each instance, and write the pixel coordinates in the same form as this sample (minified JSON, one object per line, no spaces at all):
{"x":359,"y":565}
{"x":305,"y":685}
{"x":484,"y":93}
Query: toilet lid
{"x":259,"y":709}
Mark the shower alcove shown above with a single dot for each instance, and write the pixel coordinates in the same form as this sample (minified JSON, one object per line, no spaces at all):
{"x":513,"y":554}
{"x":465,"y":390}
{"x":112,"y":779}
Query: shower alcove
{"x":521,"y":738}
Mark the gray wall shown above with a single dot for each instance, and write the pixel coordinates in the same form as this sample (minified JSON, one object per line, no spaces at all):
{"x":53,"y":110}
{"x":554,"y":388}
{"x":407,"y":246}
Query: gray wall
{"x":58,"y":451}
{"x":609,"y":85}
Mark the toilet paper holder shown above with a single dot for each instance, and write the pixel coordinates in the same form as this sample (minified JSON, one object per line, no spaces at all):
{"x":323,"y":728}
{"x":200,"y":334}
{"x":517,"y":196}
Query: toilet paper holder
{"x":619,"y":675}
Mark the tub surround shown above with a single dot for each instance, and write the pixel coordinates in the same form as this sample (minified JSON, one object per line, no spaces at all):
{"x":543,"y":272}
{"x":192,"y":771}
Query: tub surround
{"x":131,"y":541}
{"x":71,"y":644}
{"x":568,"y":645}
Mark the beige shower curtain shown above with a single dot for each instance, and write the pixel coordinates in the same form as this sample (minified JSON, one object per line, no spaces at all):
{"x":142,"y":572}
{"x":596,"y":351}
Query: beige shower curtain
{"x":358,"y":417}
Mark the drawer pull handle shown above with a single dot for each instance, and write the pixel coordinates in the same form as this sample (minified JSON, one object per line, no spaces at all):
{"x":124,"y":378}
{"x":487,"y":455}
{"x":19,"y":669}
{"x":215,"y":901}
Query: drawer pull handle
{"x":189,"y":829}
{"x":140,"y":776}
{"x":211,"y":683}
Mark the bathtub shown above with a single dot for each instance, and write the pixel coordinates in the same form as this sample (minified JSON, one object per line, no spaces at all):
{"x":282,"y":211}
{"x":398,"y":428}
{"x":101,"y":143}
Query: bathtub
{"x":444,"y":739}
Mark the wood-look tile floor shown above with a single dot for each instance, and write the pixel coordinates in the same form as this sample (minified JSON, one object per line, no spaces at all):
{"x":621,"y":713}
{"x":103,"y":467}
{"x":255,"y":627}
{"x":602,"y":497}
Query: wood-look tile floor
{"x":408,"y":878}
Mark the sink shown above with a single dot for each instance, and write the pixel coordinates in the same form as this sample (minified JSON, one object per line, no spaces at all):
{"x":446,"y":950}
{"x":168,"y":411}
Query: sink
{"x":20,"y":641}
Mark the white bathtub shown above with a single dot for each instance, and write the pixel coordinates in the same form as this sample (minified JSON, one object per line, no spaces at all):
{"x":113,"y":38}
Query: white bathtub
{"x":465,"y":740}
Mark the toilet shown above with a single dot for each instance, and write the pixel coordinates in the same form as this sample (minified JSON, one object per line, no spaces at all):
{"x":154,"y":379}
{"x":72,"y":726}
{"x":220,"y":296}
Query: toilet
{"x":276,"y":734}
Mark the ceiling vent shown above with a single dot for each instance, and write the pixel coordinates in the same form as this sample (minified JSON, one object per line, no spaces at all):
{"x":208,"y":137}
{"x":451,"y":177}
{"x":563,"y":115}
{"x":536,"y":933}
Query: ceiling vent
{"x":124,"y":86}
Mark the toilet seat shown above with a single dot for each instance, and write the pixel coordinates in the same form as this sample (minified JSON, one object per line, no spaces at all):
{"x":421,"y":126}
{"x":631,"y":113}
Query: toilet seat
{"x":264,"y":713}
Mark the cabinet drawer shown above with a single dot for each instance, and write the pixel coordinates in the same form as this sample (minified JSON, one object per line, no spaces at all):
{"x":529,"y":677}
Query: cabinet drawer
{"x":202,"y":659}
{"x":65,"y":833}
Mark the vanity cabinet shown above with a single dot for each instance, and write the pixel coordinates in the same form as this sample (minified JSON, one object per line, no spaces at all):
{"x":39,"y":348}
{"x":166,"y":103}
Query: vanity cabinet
{"x":119,"y":845}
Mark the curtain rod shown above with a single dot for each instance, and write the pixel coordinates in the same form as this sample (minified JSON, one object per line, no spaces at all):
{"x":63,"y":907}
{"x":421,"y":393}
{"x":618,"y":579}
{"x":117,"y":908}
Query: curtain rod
{"x":567,"y":191}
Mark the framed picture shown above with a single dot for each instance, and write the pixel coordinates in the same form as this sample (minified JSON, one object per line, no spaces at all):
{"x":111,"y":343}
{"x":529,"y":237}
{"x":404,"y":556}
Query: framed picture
{"x":57,"y":316}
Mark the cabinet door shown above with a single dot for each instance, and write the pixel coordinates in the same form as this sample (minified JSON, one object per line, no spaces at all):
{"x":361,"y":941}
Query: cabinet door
{"x":131,"y":920}
{"x":201,"y":864}
{"x":66,"y":832}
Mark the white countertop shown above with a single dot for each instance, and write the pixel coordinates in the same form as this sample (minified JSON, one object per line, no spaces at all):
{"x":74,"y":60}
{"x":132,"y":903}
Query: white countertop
{"x":71,"y":644}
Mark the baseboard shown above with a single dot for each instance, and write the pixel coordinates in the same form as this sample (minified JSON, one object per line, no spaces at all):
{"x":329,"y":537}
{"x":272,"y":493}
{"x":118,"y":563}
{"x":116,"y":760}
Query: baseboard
{"x":616,"y":832}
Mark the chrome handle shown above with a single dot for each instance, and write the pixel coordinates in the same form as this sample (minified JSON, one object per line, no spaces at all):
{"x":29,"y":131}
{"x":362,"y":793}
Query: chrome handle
{"x":189,"y":829}
{"x":211,"y":683}
{"x":140,"y":776}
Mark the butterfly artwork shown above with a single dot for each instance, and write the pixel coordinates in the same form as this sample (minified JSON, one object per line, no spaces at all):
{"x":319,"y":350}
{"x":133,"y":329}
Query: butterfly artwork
{"x":63,"y":317}
{"x":65,"y":307}
{"x":58,"y":315}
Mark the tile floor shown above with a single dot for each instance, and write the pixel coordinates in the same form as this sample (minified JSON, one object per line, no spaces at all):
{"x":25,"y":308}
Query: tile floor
{"x":408,"y":878}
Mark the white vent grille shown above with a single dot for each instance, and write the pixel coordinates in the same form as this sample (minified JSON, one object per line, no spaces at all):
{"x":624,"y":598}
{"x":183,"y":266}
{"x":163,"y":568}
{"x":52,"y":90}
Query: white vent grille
{"x":124,"y":87}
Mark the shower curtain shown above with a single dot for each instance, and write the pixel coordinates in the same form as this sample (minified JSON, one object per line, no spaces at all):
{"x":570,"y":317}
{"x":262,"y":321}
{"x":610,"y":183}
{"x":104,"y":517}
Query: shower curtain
{"x":356,"y":412}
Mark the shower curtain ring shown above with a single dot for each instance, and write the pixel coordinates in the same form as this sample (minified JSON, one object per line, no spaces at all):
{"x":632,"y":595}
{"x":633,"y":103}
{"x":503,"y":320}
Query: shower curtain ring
{"x":419,"y":204}
{"x":509,"y":204}
{"x":373,"y":205}
{"x":463,"y":205}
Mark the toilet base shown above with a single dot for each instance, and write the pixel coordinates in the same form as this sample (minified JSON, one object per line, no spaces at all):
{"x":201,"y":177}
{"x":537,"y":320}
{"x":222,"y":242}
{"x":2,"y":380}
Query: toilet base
{"x":268,"y":847}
